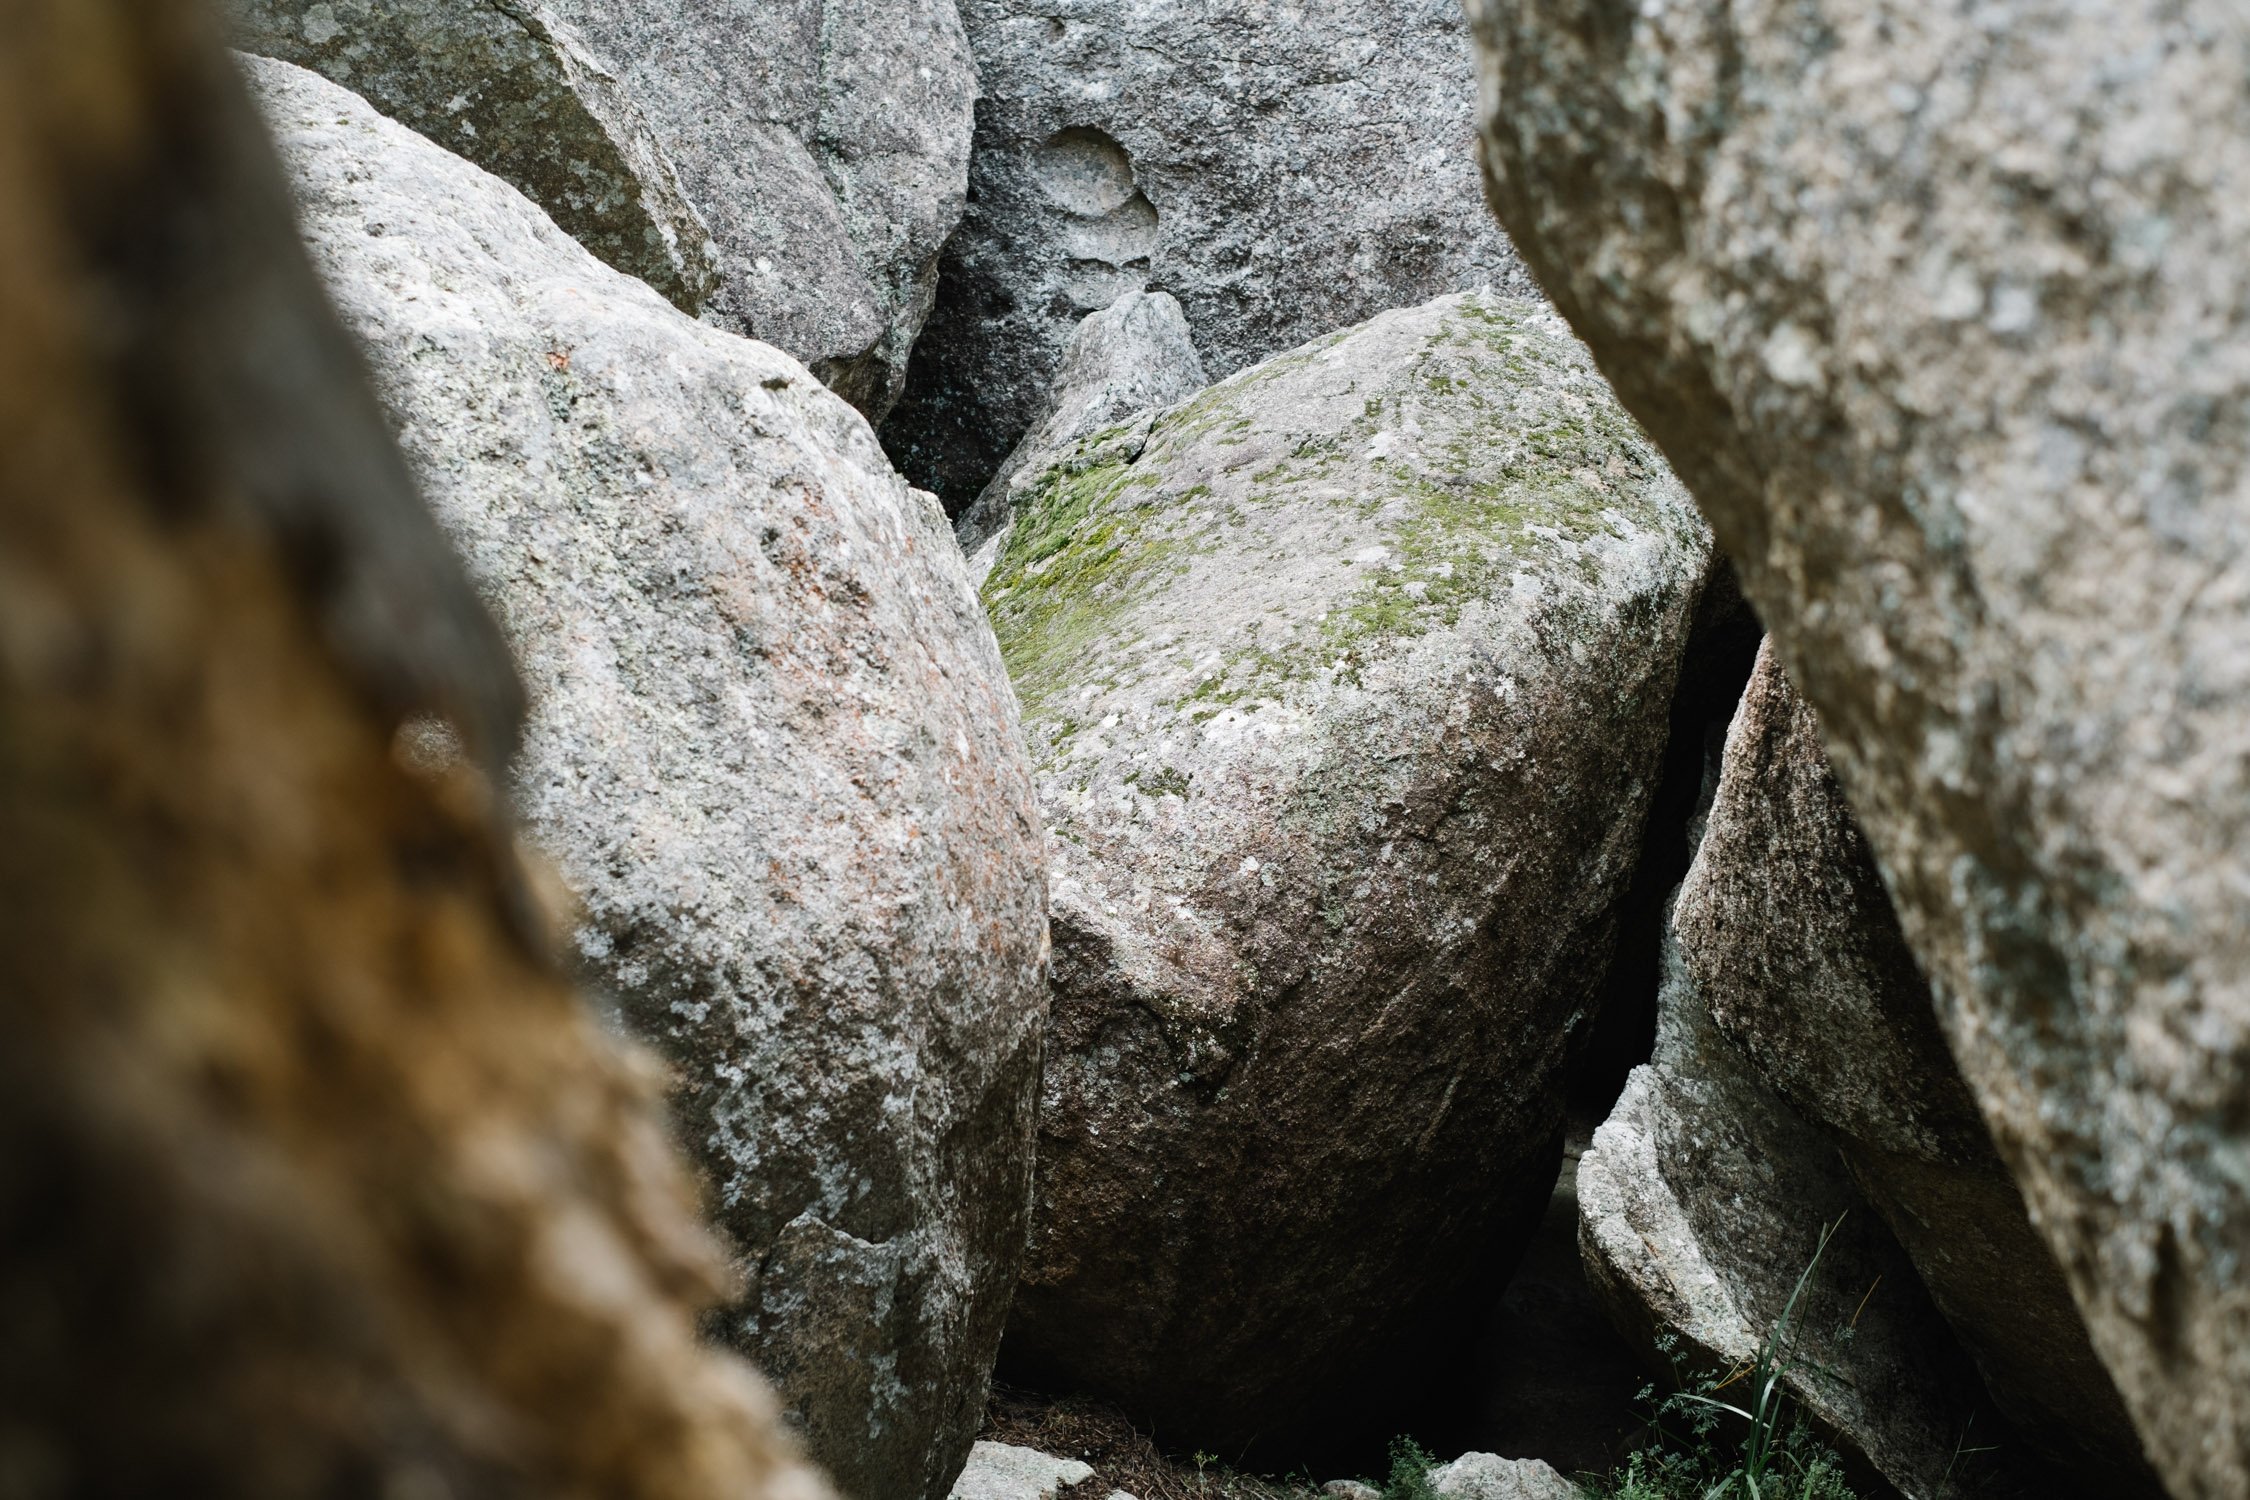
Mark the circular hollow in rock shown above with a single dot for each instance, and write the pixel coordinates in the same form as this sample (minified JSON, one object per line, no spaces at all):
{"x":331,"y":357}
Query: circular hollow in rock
{"x":1085,"y":171}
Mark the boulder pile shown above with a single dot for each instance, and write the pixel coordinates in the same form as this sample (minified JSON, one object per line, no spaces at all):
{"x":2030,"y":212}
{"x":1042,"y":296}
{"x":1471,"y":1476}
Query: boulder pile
{"x":1149,"y":734}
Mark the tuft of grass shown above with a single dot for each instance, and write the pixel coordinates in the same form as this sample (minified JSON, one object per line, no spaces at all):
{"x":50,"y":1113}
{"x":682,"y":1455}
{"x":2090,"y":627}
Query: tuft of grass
{"x":1705,"y":1446}
{"x":1410,"y":1471}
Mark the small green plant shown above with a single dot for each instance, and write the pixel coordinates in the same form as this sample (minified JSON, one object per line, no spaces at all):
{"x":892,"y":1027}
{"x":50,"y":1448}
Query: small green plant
{"x":1410,"y":1471}
{"x":1778,"y":1457}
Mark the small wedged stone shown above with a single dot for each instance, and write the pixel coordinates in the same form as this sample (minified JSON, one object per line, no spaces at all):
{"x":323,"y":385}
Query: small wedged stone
{"x":773,"y":750}
{"x":1131,"y":357}
{"x":1347,"y":682}
{"x":1488,"y":1476}
{"x":1010,"y":1471}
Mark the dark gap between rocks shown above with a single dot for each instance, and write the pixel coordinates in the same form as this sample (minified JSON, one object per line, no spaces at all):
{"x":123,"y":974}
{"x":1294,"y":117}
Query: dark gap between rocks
{"x":1722,"y":649}
{"x":1553,"y":1379}
{"x":1549,"y":1378}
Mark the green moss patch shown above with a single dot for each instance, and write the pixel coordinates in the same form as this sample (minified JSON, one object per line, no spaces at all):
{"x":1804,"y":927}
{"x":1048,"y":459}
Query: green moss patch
{"x":1512,"y":455}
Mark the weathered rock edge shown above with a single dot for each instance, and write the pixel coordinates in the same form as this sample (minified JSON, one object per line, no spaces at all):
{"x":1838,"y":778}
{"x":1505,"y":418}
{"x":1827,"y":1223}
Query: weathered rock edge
{"x":773,"y":750}
{"x":826,"y":143}
{"x":1703,"y":1200}
{"x":1784,"y":926}
{"x":508,"y":84}
{"x":1940,"y":322}
{"x":791,"y":178}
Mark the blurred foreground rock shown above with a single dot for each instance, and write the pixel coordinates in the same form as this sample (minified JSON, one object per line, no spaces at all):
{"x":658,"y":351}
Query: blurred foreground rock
{"x":772,"y":748}
{"x":316,"y":1178}
{"x":1347,"y":682}
{"x":1939,"y":314}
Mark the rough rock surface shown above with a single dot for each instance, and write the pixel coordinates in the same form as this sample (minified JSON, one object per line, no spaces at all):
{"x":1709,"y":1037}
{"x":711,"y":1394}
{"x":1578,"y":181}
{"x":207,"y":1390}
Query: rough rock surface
{"x":826,"y":143}
{"x":1009,"y":1471}
{"x":1488,"y":1476}
{"x":317,"y":1177}
{"x":505,"y":83}
{"x":772,"y":748}
{"x":1784,"y":924}
{"x":1283,"y":171}
{"x":1135,"y":355}
{"x":1936,"y":309}
{"x":798,"y":165}
{"x":1702,"y":1202}
{"x":1346,"y":682}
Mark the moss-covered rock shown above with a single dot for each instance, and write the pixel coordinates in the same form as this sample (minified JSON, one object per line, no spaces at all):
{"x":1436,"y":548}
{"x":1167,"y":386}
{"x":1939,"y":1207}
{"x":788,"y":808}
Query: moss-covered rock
{"x":1347,"y":681}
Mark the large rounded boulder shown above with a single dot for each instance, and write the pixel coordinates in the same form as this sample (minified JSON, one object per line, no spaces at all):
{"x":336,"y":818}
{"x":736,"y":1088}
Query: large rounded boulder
{"x":1347,"y":683}
{"x":772,"y":749}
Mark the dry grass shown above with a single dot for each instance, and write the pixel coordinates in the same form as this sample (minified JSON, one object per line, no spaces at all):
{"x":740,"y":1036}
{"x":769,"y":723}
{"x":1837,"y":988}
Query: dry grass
{"x":1124,"y":1458}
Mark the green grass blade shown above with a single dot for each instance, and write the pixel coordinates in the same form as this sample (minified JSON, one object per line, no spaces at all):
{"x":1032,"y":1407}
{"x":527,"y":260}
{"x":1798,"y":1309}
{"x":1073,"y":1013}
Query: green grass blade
{"x":1720,"y":1405}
